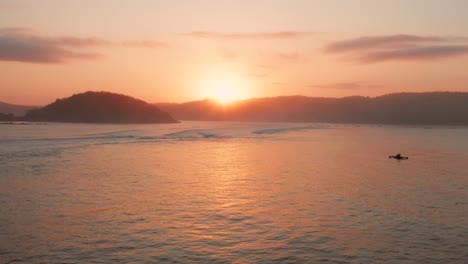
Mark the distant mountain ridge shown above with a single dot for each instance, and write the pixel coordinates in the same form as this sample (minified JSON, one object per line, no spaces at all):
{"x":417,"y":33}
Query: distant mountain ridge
{"x":16,"y":110}
{"x":430,"y":108}
{"x":99,"y":107}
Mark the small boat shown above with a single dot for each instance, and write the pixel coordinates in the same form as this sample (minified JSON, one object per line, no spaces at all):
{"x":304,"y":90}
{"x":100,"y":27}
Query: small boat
{"x":398,"y":157}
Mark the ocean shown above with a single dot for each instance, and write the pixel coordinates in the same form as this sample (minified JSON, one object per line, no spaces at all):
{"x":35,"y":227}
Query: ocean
{"x":233,"y":192}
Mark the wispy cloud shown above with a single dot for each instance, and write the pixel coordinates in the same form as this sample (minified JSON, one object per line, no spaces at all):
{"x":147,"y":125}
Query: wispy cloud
{"x":376,"y":49}
{"x":417,"y":53}
{"x":344,"y":85}
{"x":26,"y":45}
{"x":378,"y":42}
{"x":80,"y":42}
{"x":145,"y":44}
{"x":19,"y":44}
{"x":246,"y":36}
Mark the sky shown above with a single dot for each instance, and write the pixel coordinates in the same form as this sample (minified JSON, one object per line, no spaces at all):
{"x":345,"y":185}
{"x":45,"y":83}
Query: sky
{"x":176,"y":51}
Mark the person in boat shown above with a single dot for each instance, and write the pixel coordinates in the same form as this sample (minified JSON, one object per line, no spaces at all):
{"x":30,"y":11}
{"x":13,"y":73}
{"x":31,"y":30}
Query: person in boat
{"x":398,"y":157}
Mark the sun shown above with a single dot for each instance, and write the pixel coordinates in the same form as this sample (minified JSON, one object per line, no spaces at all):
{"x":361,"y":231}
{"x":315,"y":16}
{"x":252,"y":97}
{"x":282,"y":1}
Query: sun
{"x":224,"y":85}
{"x":225,"y":94}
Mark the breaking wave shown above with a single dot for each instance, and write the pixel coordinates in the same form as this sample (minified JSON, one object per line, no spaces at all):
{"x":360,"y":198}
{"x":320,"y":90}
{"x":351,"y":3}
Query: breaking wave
{"x":193,"y":133}
{"x":78,"y":135}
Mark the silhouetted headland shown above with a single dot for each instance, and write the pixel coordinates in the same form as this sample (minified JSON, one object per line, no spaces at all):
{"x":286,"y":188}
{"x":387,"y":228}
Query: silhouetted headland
{"x":432,"y":108}
{"x":99,"y":107}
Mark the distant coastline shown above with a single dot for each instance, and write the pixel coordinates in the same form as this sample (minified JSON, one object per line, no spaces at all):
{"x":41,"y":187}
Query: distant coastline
{"x":429,"y":108}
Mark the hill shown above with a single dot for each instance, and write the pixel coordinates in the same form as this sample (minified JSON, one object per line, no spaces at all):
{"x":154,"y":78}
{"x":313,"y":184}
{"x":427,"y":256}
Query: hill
{"x":99,"y":107}
{"x":433,"y":108}
{"x":16,"y":110}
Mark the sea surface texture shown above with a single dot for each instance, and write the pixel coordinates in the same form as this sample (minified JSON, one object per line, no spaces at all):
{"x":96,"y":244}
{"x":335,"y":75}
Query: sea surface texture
{"x":206,"y":192}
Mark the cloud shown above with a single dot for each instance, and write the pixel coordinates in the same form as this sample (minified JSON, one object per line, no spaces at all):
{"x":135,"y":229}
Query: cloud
{"x":418,"y":53}
{"x":377,"y":49}
{"x":83,"y":42}
{"x":144,"y":44}
{"x":20,"y":44}
{"x":246,"y":36}
{"x":27,"y":34}
{"x":378,"y":42}
{"x":344,"y":86}
{"x":26,"y":45}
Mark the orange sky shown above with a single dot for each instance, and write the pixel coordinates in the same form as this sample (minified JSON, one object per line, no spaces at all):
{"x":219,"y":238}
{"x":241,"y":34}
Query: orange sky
{"x":174,"y":51}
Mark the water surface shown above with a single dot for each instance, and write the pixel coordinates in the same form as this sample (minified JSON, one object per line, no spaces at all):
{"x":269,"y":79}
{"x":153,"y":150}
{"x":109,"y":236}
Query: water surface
{"x":207,"y":192}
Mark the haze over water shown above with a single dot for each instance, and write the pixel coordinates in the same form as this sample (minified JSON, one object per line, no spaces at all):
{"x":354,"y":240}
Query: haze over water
{"x":215,"y":192}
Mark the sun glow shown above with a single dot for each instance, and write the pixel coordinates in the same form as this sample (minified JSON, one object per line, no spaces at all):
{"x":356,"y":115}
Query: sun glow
{"x":224,"y":86}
